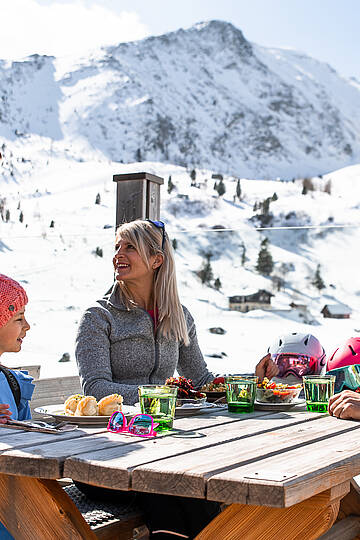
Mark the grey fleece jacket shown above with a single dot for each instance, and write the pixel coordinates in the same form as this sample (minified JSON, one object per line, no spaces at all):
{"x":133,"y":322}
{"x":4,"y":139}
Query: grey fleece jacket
{"x":117,"y":350}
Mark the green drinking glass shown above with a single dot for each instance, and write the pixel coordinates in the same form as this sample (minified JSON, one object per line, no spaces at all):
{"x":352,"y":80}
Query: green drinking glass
{"x":159,"y":401}
{"x":318,"y":390}
{"x":240,"y":393}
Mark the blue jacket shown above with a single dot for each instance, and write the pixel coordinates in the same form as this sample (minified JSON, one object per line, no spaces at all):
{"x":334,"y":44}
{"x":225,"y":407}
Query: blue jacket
{"x":26,"y":389}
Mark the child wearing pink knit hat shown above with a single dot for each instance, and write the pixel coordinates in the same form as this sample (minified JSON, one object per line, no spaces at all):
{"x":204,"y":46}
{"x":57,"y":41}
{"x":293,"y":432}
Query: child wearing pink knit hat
{"x":15,"y":386}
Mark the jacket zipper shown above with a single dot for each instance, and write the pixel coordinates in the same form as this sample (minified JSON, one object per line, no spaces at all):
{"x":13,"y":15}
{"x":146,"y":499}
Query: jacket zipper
{"x":156,"y":346}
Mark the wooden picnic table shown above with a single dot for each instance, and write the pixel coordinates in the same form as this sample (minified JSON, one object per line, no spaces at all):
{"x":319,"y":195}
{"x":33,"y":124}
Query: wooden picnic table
{"x":282,"y":475}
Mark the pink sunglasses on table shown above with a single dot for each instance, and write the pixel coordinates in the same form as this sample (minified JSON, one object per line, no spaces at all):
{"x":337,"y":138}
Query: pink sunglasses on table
{"x":141,"y":425}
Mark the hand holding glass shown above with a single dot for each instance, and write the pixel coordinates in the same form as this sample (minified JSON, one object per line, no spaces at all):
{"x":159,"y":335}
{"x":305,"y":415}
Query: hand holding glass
{"x":159,"y":401}
{"x":318,"y":390}
{"x":240,"y":393}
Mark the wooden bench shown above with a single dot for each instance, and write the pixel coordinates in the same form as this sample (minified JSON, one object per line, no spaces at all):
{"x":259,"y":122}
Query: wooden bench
{"x":103,"y":522}
{"x":54,"y":390}
{"x":33,"y":371}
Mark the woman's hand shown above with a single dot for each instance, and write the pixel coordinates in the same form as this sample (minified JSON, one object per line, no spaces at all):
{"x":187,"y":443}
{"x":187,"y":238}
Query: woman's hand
{"x":345,"y":405}
{"x":266,"y":368}
{"x":5,"y":413}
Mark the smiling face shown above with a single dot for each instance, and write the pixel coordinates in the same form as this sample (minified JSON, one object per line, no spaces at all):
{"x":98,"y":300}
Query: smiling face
{"x":129,"y":265}
{"x":13,"y":332}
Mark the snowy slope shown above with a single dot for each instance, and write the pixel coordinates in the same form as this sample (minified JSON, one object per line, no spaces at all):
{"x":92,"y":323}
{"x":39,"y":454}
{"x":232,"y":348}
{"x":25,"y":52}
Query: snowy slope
{"x":202,"y":97}
{"x":63,"y":275}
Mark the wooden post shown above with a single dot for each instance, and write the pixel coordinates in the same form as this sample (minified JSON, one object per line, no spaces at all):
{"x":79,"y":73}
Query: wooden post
{"x":138,"y":196}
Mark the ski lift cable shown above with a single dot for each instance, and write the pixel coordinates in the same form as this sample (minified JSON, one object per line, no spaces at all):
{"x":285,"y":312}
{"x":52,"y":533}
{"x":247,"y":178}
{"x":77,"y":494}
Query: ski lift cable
{"x":197,"y":230}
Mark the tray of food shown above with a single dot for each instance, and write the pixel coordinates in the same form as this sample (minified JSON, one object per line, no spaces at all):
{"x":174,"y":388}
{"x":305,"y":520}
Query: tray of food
{"x":214,"y":392}
{"x":274,"y":395}
{"x":86,"y":410}
{"x":187,"y":395}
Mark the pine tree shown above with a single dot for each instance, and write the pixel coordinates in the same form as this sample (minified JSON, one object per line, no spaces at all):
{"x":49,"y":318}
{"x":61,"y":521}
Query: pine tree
{"x":255,"y":207}
{"x":266,"y":206}
{"x":21,"y":217}
{"x":238,"y":190}
{"x":205,"y":273}
{"x":243,"y":255}
{"x":265,"y":263}
{"x":174,"y":244}
{"x":274,"y":197}
{"x":7,"y":215}
{"x":217,"y":284}
{"x":221,"y":188}
{"x":171,"y":186}
{"x":318,"y":281}
{"x":98,"y":199}
{"x":193,"y":177}
{"x":52,"y":224}
{"x":138,"y":155}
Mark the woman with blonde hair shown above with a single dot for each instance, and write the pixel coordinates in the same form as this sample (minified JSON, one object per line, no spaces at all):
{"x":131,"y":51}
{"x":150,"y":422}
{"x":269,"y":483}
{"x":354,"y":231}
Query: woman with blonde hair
{"x":140,"y":333}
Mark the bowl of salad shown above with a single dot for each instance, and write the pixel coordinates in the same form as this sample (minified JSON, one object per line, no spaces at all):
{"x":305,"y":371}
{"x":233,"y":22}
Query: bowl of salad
{"x":214,"y":392}
{"x":272,"y":392}
{"x":187,"y":395}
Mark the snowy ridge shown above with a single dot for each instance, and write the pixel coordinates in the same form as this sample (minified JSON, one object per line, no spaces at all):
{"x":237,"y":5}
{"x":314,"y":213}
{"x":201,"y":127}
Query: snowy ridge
{"x":201,"y":97}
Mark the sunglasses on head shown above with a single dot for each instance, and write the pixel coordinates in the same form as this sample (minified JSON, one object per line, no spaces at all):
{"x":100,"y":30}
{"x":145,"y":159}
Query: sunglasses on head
{"x":346,"y":378}
{"x":141,"y":425}
{"x":294,"y":363}
{"x":159,"y":225}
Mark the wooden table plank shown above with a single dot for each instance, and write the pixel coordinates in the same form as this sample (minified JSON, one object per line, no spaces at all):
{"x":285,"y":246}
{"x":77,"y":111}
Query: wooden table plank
{"x":311,"y":470}
{"x":45,"y":457}
{"x":16,"y":438}
{"x":190,"y":474}
{"x":112,"y":467}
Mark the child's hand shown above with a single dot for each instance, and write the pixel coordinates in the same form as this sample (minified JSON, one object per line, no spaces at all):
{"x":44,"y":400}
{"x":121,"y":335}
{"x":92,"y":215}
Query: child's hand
{"x":266,"y":368}
{"x":5,"y":413}
{"x":345,"y":405}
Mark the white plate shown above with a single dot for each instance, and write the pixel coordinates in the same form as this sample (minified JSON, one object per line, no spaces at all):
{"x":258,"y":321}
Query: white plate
{"x":259,"y":405}
{"x":188,"y":410}
{"x":57,"y":412}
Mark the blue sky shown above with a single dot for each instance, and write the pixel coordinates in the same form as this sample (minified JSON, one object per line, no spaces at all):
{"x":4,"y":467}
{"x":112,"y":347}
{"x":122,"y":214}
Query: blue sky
{"x":325,"y":29}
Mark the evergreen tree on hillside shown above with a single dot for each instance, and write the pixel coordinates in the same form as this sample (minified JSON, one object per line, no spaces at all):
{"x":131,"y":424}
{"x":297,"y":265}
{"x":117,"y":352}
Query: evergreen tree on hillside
{"x":171,"y":186}
{"x":98,"y":199}
{"x":238,"y":190}
{"x":243,"y":255}
{"x":193,"y":177}
{"x":221,"y":189}
{"x":265,"y":263}
{"x":217,"y":284}
{"x":318,"y":281}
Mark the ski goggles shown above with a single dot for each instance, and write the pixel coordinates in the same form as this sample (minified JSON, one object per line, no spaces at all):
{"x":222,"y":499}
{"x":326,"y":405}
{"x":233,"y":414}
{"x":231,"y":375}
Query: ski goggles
{"x":159,"y":225}
{"x":294,"y":364}
{"x":347,"y":377}
{"x":141,"y":425}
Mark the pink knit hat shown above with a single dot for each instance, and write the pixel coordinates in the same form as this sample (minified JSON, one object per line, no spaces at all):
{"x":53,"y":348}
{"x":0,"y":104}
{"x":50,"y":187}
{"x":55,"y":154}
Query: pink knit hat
{"x":12,"y":298}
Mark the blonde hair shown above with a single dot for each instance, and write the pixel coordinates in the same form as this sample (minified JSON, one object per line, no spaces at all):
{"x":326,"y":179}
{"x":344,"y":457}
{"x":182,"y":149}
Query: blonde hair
{"x":147,"y":240}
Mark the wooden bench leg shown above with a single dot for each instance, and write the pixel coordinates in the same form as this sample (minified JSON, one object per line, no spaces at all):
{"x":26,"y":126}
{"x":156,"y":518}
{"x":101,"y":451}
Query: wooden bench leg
{"x":303,"y":521}
{"x":33,"y":509}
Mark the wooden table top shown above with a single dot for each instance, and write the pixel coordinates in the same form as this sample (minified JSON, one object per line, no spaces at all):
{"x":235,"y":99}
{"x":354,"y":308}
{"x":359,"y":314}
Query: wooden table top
{"x":263,"y":458}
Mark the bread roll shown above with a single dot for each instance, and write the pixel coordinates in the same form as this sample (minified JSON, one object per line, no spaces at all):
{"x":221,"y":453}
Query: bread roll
{"x":87,"y":406}
{"x":71,"y":403}
{"x":109,"y":404}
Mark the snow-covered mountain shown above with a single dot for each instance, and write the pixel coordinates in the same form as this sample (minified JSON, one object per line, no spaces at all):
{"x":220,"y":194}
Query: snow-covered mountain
{"x":201,"y":97}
